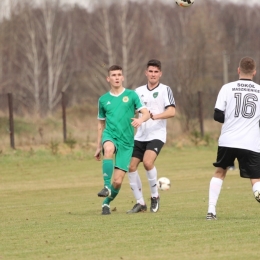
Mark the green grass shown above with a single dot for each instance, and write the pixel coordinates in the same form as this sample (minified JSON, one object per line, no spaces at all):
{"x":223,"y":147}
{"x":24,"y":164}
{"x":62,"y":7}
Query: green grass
{"x":50,"y":210}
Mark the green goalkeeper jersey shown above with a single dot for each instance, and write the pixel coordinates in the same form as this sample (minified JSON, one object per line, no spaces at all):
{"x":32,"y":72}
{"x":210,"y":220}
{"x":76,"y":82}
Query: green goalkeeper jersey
{"x":118,"y":110}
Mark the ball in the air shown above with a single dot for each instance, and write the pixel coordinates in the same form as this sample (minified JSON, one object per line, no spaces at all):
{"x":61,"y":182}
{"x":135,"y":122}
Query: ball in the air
{"x":184,"y":3}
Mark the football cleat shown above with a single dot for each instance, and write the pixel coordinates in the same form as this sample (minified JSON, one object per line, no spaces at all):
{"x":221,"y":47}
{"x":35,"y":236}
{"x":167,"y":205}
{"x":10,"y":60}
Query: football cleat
{"x":105,"y":209}
{"x":155,"y":203}
{"x":211,"y":216}
{"x":137,"y":208}
{"x":105,"y":192}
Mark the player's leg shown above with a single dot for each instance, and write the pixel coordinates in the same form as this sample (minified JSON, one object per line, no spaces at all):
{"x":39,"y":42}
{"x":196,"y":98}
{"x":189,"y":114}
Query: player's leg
{"x":152,"y":151}
{"x":215,"y":186}
{"x":122,"y":160}
{"x":107,"y":168}
{"x":225,"y":157}
{"x":136,"y":187}
{"x":249,"y":165}
{"x":134,"y":178}
{"x":139,"y":183}
{"x":151,"y":173}
{"x":118,"y":178}
{"x":250,"y":168}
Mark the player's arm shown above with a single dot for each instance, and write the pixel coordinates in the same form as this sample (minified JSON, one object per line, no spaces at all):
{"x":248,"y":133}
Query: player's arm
{"x":100,"y":128}
{"x":169,"y":104}
{"x":145,"y":116}
{"x":167,"y":113}
{"x":219,"y":115}
{"x":220,"y":106}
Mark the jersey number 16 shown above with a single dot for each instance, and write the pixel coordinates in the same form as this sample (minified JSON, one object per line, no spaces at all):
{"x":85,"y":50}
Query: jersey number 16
{"x":247,"y":106}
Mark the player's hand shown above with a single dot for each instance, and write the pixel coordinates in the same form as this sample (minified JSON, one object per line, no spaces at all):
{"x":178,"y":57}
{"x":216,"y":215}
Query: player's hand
{"x":97,"y":154}
{"x":136,"y":122}
{"x":151,"y":115}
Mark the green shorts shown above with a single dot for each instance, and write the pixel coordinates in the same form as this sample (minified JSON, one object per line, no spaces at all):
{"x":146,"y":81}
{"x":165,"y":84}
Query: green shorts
{"x":123,"y":153}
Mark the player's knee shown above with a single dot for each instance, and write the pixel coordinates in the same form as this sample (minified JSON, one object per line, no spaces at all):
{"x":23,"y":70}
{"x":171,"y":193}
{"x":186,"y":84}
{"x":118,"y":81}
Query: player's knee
{"x":109,"y":149}
{"x":148,"y":165}
{"x":117,"y":184}
{"x":257,"y":195}
{"x":133,"y":166}
{"x":108,"y":153}
{"x":220,"y":173}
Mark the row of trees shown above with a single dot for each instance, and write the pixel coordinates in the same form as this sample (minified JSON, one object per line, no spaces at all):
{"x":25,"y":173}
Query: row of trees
{"x":52,"y":48}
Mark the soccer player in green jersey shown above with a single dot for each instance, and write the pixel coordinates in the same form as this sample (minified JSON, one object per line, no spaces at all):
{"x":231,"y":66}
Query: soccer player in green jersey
{"x":116,"y":123}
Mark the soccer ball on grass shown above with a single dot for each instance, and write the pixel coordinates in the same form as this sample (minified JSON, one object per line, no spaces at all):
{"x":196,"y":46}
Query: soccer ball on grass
{"x":163,"y":183}
{"x":184,"y":3}
{"x":257,"y":195}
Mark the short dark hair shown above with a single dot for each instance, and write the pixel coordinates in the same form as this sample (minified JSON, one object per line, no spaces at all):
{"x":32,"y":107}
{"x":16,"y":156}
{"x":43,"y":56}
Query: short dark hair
{"x":114,"y":67}
{"x":154,"y":63}
{"x":247,"y":65}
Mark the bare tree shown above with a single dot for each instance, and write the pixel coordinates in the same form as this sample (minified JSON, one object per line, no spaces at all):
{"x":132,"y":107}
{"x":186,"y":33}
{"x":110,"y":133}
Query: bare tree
{"x":2,"y":16}
{"x":189,"y":64}
{"x":125,"y":38}
{"x":32,"y":77}
{"x":100,"y":30}
{"x":134,"y":55}
{"x":9,"y":49}
{"x":58,"y":32}
{"x":128,"y":42}
{"x":44,"y":47}
{"x":158,"y":15}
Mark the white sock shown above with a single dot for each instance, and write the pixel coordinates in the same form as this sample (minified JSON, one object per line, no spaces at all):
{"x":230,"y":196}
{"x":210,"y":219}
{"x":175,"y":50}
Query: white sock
{"x":138,"y":181}
{"x":256,"y":186}
{"x":134,"y":181}
{"x":214,"y":191}
{"x":152,"y":178}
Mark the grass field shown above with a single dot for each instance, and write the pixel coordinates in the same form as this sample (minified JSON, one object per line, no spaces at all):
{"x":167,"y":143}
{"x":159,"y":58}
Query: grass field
{"x":50,"y":210}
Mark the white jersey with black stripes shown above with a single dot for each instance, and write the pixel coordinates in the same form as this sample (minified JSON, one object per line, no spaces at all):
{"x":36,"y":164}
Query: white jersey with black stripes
{"x":156,"y":101}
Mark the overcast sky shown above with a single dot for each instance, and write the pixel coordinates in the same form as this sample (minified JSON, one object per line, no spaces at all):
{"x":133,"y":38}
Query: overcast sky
{"x":86,"y":3}
{"x":89,"y":3}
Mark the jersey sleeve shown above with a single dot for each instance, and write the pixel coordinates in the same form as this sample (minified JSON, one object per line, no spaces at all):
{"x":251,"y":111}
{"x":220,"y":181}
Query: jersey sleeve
{"x":138,"y":101}
{"x":101,"y":111}
{"x":221,"y":100}
{"x":168,"y":98}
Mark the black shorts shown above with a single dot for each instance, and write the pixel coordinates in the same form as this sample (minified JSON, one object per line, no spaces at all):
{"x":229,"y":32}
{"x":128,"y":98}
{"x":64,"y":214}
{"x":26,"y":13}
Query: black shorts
{"x":140,"y":148}
{"x":249,"y":161}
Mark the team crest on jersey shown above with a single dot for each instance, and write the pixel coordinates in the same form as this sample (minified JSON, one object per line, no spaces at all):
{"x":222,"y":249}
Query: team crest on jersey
{"x":155,"y":95}
{"x":125,"y":99}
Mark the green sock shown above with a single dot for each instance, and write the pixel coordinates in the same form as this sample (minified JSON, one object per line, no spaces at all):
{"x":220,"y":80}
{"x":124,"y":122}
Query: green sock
{"x":114,"y":193}
{"x":107,"y":168}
